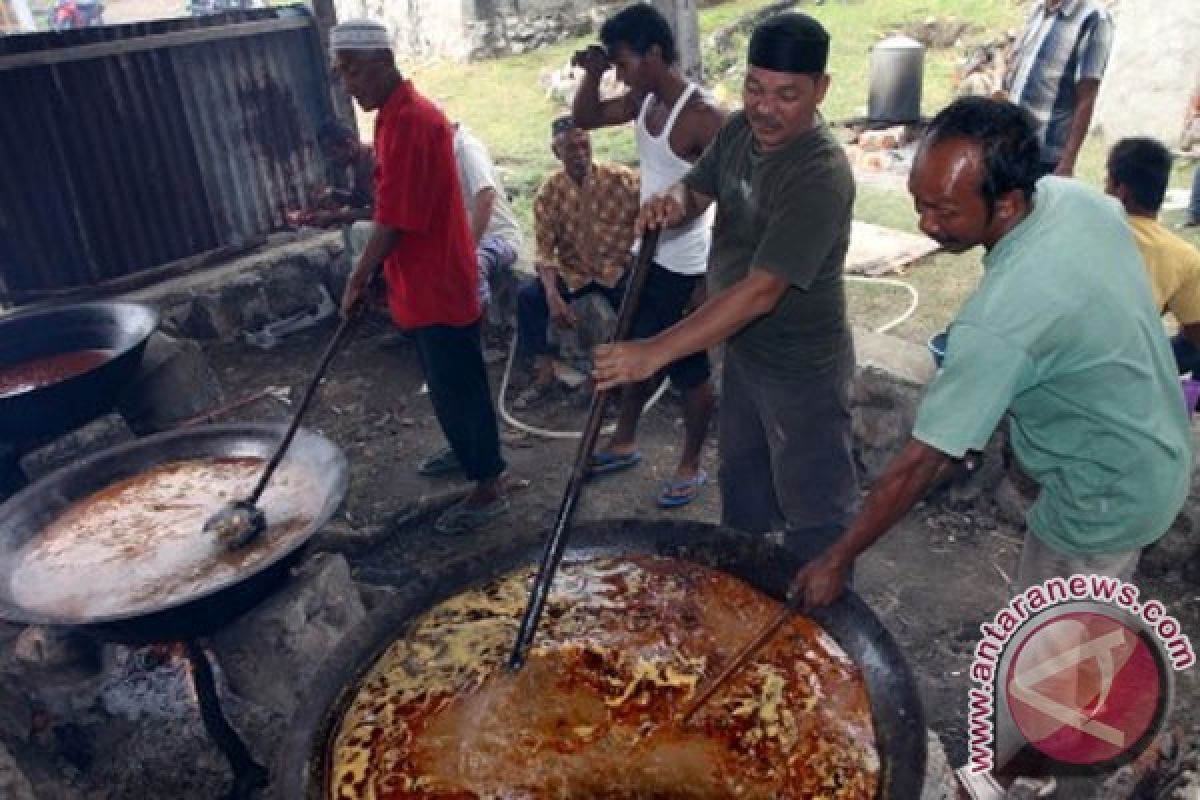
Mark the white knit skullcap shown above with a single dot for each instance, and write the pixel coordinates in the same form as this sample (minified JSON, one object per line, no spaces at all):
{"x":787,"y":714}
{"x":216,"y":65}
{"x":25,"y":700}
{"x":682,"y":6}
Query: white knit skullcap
{"x":359,"y":34}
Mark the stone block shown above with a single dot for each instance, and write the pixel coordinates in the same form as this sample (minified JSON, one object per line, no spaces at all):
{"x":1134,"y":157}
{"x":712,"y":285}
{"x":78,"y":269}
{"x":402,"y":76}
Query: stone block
{"x":62,"y":668}
{"x":43,"y":650}
{"x":13,"y":783}
{"x":290,"y":634}
{"x":336,"y":264}
{"x":1011,"y":503}
{"x":294,"y":287}
{"x":205,"y":318}
{"x":884,"y":408}
{"x":887,"y":139}
{"x":17,"y":710}
{"x":596,"y":321}
{"x":99,"y":434}
{"x":244,"y":302}
{"x":905,"y":362}
{"x":1177,"y":552}
{"x":174,"y":383}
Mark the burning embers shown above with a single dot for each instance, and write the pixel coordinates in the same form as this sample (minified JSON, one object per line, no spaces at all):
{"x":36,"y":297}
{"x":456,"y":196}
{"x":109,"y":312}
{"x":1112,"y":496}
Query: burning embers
{"x":623,"y":645}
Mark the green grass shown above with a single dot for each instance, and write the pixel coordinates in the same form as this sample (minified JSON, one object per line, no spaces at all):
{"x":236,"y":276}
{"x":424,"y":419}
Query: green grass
{"x":504,"y":101}
{"x":856,"y":25}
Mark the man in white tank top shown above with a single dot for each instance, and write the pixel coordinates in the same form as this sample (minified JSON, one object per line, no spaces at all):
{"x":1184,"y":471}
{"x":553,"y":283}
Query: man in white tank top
{"x":674,"y":122}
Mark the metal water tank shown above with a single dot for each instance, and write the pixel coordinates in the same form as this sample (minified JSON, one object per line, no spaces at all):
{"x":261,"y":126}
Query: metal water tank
{"x":897,"y":68}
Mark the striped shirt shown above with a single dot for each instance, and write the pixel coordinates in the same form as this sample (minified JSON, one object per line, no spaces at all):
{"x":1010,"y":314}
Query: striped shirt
{"x":1056,"y":51}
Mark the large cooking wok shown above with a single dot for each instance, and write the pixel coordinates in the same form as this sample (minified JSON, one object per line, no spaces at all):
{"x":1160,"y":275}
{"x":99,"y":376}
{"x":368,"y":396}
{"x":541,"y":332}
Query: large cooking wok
{"x":301,"y":771}
{"x":25,"y":514}
{"x":122,"y":328}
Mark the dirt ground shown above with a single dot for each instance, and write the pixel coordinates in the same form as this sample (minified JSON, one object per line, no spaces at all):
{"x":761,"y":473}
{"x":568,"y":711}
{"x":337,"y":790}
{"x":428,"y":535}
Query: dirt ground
{"x":933,"y":580}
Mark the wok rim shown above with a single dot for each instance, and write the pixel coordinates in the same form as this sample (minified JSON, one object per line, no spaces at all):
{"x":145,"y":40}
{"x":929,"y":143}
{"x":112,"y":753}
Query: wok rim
{"x":145,"y":321}
{"x":263,"y":435}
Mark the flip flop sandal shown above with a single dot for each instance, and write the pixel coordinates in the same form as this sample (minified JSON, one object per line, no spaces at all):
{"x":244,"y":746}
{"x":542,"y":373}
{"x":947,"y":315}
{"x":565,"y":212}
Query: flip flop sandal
{"x":606,"y":463}
{"x":679,"y":493}
{"x":460,"y":519}
{"x":443,"y":462}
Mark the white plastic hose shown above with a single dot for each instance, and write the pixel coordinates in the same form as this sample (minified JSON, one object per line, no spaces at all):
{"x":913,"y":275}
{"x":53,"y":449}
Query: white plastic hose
{"x":608,"y":429}
{"x":912,"y":291}
{"x":543,"y":432}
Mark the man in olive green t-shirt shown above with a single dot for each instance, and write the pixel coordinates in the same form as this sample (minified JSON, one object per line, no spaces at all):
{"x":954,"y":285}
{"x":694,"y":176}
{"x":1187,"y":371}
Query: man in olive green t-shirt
{"x":1062,"y":333}
{"x":784,"y":193}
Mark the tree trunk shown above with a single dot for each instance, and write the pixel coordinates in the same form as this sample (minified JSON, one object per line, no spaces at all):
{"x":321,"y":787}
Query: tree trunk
{"x":684,"y":22}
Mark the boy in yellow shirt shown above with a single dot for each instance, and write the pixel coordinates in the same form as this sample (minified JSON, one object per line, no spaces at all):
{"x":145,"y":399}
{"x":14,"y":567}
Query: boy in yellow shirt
{"x":1138,"y":171}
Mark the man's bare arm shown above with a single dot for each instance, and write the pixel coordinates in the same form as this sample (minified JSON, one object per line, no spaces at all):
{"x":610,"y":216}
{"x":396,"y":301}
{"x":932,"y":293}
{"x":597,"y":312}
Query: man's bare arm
{"x":1081,"y":120}
{"x":707,"y":119}
{"x":714,"y":322}
{"x":906,"y":480}
{"x":481,"y":212}
{"x":676,"y":205}
{"x":588,"y":110}
{"x":382,"y":241}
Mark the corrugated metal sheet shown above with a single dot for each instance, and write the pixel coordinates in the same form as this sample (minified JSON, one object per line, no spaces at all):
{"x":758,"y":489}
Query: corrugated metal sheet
{"x":128,"y":148}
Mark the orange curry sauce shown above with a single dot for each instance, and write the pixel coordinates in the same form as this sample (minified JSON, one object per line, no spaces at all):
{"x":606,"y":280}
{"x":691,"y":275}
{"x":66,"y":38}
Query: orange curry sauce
{"x":34,"y":374}
{"x":622,"y":646}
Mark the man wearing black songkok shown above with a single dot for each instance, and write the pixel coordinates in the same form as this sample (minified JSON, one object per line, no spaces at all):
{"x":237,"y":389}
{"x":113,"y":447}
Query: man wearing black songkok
{"x":784,"y":193}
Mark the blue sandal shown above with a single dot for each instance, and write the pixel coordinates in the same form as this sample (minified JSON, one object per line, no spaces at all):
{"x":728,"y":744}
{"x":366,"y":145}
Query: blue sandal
{"x":680,"y":492}
{"x":605,"y":463}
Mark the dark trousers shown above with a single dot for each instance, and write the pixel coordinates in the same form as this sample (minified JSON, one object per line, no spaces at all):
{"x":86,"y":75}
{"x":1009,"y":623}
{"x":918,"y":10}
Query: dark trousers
{"x":665,"y":298}
{"x":533,"y":311}
{"x":1187,"y":356}
{"x":458,"y":386}
{"x":785,"y":454}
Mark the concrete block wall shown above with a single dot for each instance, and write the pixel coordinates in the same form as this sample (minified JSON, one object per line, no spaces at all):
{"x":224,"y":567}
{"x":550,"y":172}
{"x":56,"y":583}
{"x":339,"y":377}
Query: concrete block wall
{"x":457,"y":30}
{"x":1153,"y":70}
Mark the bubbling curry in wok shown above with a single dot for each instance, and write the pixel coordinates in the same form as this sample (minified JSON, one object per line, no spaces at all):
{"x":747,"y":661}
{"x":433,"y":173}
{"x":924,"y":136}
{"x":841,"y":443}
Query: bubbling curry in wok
{"x":623,"y":644}
{"x":138,"y":544}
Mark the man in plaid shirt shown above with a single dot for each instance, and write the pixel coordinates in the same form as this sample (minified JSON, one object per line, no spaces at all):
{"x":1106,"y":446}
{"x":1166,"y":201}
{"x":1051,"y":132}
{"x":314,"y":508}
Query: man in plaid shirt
{"x":1055,"y":74}
{"x":584,"y":217}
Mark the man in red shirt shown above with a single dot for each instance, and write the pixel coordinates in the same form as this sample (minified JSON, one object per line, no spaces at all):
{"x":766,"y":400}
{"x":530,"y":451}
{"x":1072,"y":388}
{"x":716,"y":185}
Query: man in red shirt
{"x":422,"y":239}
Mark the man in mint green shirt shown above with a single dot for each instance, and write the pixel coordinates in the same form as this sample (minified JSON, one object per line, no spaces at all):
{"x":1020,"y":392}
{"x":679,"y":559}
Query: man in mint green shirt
{"x":1062,"y":333}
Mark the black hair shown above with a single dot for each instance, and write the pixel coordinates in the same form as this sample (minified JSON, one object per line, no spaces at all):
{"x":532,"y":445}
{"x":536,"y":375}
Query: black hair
{"x":1007,"y":136}
{"x":1143,"y":166}
{"x":335,"y":131}
{"x":562,"y":124}
{"x":639,"y":27}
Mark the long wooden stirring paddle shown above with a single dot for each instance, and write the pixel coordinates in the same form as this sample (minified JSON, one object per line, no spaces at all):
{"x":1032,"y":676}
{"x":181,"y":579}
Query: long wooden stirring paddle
{"x":735,"y":664}
{"x":557,"y":543}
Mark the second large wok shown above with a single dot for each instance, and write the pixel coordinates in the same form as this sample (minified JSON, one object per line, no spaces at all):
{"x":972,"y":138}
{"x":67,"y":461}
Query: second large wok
{"x":25,"y":515}
{"x":122,"y":329}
